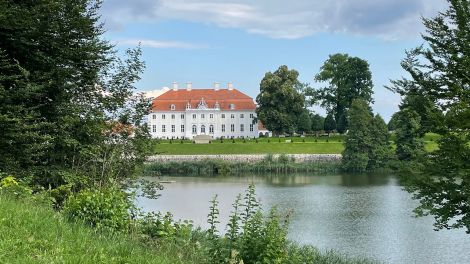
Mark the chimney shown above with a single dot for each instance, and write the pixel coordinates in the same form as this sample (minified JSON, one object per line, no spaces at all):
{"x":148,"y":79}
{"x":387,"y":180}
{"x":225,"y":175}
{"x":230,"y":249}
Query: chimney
{"x":230,"y":86}
{"x":175,"y":86}
{"x":216,"y":86}
{"x":189,"y":86}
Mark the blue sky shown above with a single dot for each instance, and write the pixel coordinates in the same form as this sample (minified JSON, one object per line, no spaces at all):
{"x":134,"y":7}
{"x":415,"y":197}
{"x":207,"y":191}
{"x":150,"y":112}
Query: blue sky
{"x":206,"y":41}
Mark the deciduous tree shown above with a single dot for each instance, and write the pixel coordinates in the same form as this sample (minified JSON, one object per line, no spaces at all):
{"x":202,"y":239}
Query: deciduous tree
{"x":348,"y":78}
{"x":279,"y":103}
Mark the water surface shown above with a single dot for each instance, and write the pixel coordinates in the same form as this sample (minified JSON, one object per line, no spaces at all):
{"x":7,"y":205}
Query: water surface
{"x":358,"y":215}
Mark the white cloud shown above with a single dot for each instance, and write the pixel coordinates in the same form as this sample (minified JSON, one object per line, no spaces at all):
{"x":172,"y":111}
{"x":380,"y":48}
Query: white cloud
{"x":388,"y":19}
{"x":159,"y":44}
{"x":155,"y":93}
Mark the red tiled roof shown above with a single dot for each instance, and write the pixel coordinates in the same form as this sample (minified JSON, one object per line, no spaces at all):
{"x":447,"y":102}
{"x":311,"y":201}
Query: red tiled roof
{"x":224,"y":97}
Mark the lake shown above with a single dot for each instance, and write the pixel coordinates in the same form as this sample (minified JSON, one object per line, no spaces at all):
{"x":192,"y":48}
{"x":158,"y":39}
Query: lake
{"x":358,"y":215}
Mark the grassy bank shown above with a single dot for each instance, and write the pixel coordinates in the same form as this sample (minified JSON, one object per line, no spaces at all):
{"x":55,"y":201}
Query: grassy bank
{"x":282,"y":164}
{"x":33,"y":233}
{"x":30,"y":233}
{"x":295,"y":145}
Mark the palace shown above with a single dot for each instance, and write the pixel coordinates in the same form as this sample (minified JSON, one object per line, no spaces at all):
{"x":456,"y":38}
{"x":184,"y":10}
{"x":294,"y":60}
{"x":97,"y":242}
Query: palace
{"x":188,"y":112}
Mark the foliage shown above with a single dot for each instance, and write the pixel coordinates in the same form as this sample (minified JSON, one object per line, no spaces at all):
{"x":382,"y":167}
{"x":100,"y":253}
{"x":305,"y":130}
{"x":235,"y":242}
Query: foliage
{"x":102,"y":208}
{"x":392,"y":123}
{"x":318,"y":123}
{"x":254,"y":237}
{"x":9,"y":185}
{"x":409,"y":145}
{"x":304,"y":122}
{"x":279,"y":103}
{"x":34,"y":233}
{"x":67,"y":111}
{"x":445,"y":195}
{"x":367,"y":144}
{"x":329,"y":123}
{"x":439,"y":93}
{"x":348,"y":78}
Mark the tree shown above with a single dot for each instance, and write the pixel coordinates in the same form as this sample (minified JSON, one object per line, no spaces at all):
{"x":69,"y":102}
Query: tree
{"x":367,"y":146}
{"x":318,"y":123}
{"x":358,"y":141}
{"x":381,"y":151}
{"x":342,"y":124}
{"x":439,"y":74}
{"x":329,"y":123}
{"x":348,"y":78}
{"x":279,"y":103}
{"x":74,"y":91}
{"x":392,"y":123}
{"x":410,"y":145}
{"x":304,"y":123}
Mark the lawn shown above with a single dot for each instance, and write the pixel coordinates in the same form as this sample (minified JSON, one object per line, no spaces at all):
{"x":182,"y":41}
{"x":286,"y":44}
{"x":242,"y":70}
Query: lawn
{"x":308,"y":145}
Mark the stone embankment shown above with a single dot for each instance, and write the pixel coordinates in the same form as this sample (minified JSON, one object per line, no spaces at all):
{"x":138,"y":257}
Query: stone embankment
{"x":249,"y":158}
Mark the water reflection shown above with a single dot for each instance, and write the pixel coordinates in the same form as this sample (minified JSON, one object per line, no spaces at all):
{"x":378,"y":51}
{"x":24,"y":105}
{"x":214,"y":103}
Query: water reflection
{"x":361,"y":215}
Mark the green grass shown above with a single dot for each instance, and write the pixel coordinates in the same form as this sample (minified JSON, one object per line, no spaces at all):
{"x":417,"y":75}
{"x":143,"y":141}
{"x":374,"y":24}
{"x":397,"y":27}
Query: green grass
{"x":308,"y":145}
{"x":35,"y":234}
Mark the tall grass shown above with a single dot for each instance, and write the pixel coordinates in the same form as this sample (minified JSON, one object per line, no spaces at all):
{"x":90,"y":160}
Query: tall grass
{"x":31,"y":233}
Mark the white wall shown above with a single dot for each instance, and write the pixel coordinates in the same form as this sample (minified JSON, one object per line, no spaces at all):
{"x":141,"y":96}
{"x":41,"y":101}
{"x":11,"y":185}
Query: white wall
{"x":203,"y":118}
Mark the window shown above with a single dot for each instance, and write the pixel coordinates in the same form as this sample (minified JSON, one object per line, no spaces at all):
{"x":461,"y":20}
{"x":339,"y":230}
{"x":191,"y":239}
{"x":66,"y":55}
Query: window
{"x":251,"y":127}
{"x":182,"y":128}
{"x":211,"y":116}
{"x":163,"y":128}
{"x":203,"y":129}
{"x":251,"y":116}
{"x":223,"y":128}
{"x":194,"y":116}
{"x":202,"y":116}
{"x":242,"y":116}
{"x":194,"y":129}
{"x":188,"y":106}
{"x":223,"y":115}
{"x":211,"y":129}
{"x":242,"y":127}
{"x":172,"y":116}
{"x":154,"y":128}
{"x":173,"y":128}
{"x":182,"y":116}
{"x":232,"y":127}
{"x":232,"y":116}
{"x":163,"y":116}
{"x":232,"y":106}
{"x":154,"y":116}
{"x":172,"y":107}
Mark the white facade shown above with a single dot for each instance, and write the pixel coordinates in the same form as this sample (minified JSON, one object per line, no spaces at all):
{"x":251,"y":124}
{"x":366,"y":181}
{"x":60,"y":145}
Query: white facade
{"x":214,"y":122}
{"x":225,"y":113}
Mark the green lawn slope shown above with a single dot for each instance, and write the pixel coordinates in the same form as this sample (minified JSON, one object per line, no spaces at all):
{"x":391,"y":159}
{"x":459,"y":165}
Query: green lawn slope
{"x":36,"y":234}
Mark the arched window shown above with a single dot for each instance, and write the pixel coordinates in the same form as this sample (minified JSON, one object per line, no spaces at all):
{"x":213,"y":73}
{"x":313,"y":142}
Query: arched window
{"x":232,"y":106}
{"x":188,"y":106}
{"x":194,"y":129}
{"x":173,"y":107}
{"x":211,"y":129}
{"x":203,"y":129}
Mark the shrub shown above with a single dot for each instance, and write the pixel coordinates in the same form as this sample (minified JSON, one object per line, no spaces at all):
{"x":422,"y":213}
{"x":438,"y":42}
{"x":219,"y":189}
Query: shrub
{"x":60,"y":194}
{"x":102,"y":208}
{"x":9,"y":185}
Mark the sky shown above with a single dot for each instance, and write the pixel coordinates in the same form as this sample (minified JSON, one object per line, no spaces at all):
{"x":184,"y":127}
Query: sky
{"x":207,"y":41}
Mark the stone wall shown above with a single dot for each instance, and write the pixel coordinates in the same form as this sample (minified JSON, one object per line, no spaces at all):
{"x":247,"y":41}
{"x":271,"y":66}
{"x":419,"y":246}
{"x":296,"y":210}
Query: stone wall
{"x":250,"y":158}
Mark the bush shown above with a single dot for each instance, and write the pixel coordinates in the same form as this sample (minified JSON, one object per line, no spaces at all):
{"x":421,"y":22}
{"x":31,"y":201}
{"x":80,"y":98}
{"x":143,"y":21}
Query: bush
{"x":102,"y":208}
{"x":9,"y":185}
{"x":60,"y":194}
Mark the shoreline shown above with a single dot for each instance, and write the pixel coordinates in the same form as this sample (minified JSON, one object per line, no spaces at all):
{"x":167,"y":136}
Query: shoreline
{"x":245,"y":158}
